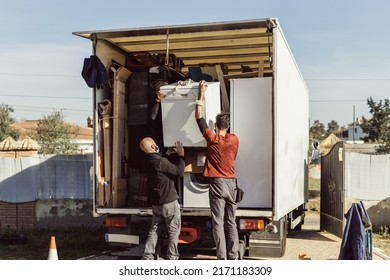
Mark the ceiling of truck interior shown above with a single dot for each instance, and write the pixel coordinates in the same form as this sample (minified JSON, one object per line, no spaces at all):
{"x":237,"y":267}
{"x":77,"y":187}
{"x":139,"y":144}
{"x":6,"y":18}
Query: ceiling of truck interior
{"x":234,"y":44}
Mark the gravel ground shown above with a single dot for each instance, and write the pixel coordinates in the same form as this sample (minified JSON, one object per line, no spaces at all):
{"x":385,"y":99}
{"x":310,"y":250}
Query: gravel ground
{"x":312,"y":243}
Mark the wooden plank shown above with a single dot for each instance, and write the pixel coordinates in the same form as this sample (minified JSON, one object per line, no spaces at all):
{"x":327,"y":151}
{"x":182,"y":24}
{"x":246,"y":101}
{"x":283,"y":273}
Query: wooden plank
{"x":120,"y":192}
{"x":261,"y":68}
{"x":242,"y":75}
{"x":119,"y":189}
{"x":105,"y":109}
{"x":224,"y":97}
{"x":100,"y":180}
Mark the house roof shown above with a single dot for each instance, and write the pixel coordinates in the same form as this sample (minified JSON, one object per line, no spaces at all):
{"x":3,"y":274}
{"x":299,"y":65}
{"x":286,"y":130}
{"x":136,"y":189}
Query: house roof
{"x":8,"y":144}
{"x":26,"y":144}
{"x":24,"y":127}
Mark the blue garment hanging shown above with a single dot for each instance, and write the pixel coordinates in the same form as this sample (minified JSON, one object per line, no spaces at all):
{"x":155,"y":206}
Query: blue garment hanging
{"x":94,"y":72}
{"x":356,"y":242}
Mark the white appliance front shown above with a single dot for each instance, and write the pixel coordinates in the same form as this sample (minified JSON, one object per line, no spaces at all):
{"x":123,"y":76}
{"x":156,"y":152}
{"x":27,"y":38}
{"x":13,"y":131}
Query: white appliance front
{"x":178,"y":113}
{"x":195,"y":190}
{"x":251,"y":107}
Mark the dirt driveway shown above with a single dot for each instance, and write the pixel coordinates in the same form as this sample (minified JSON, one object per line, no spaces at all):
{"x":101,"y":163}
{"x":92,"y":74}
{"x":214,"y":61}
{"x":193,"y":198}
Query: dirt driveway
{"x":312,"y":243}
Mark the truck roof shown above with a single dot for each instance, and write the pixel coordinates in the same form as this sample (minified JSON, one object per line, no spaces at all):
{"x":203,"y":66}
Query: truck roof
{"x":232,"y":43}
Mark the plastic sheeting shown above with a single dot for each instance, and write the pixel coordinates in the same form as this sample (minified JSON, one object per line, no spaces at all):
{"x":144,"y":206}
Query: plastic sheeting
{"x":45,"y":177}
{"x":367,"y":177}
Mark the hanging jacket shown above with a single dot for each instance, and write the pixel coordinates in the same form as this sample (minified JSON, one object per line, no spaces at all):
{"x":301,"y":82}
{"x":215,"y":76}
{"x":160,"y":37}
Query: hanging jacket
{"x":94,"y":72}
{"x":354,"y":242}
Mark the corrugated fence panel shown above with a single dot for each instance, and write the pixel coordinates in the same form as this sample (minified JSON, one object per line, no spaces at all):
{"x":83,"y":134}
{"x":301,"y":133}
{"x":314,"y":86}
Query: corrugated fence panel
{"x":367,"y":177}
{"x":45,"y":177}
{"x":16,"y":183}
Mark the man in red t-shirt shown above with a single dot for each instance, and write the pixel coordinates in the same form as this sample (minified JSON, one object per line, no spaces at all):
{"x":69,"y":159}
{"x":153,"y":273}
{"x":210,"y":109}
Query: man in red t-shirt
{"x":222,"y":149}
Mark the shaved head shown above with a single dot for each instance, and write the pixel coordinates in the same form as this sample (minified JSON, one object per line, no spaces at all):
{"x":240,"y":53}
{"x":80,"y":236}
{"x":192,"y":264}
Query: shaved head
{"x":148,"y":145}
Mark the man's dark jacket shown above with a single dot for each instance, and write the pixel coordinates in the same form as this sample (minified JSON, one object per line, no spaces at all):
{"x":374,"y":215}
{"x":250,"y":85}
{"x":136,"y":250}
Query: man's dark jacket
{"x":162,"y":175}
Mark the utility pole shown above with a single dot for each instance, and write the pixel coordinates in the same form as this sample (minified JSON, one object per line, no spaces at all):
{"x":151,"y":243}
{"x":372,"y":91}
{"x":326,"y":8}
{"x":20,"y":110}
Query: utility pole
{"x":353,"y":124}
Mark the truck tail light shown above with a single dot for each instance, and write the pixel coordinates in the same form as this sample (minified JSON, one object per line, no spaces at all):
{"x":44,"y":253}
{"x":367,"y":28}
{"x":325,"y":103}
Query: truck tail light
{"x":116,"y":221}
{"x":252,"y":224}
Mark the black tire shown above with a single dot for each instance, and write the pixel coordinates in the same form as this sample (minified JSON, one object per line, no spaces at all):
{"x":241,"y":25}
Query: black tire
{"x":298,"y":227}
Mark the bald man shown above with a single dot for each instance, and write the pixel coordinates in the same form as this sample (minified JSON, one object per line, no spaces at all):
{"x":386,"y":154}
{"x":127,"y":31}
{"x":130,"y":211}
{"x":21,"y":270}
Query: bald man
{"x":162,"y":174}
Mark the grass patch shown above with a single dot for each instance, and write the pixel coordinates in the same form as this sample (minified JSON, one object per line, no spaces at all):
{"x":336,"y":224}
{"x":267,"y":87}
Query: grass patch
{"x":314,"y":184}
{"x":381,"y":242}
{"x":71,"y":244}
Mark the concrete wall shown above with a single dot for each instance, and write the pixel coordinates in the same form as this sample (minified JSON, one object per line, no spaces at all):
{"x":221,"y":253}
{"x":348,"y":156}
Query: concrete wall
{"x":48,"y":214}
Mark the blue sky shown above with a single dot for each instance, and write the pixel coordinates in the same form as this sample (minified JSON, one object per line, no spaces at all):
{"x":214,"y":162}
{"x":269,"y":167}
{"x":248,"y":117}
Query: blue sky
{"x":341,"y":47}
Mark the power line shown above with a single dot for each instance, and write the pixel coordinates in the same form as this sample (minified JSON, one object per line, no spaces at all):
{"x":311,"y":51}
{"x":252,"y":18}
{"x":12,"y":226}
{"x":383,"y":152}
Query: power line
{"x":50,"y":108}
{"x":347,"y":79}
{"x":40,"y":75}
{"x":44,"y":96}
{"x":338,"y":100}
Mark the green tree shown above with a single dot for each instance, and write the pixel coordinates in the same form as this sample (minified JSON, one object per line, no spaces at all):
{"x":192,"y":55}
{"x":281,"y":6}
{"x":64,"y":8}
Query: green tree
{"x":55,"y":136}
{"x":380,"y":112}
{"x":5,"y":123}
{"x":317,"y":131}
{"x":385,"y":139}
{"x":333,"y":127}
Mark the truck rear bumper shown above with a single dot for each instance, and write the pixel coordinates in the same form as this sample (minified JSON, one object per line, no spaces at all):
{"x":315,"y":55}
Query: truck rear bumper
{"x":184,"y":212}
{"x":121,"y":238}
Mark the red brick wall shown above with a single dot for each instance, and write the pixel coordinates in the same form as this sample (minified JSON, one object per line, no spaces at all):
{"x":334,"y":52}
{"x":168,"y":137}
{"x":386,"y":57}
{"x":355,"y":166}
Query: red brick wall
{"x":17,"y":215}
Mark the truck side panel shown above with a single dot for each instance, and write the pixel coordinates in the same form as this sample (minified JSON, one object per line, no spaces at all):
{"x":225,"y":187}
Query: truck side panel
{"x":291,"y":129}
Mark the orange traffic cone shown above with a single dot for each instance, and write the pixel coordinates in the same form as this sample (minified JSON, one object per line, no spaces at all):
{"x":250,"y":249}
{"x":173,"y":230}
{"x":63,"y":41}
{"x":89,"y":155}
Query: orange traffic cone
{"x":53,"y":249}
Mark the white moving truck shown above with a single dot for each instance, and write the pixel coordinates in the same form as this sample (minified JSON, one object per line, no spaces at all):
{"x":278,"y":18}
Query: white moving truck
{"x":254,"y":76}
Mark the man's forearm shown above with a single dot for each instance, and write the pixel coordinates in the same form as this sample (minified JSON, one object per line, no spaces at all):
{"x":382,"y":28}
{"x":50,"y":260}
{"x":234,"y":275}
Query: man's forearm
{"x":199,"y":109}
{"x":202,"y":124}
{"x":200,"y":101}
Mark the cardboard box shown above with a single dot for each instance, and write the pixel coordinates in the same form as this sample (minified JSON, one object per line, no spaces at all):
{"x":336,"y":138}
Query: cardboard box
{"x":195,"y":160}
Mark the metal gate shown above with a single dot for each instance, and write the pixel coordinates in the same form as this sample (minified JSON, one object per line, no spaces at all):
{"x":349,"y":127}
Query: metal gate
{"x":332,"y":190}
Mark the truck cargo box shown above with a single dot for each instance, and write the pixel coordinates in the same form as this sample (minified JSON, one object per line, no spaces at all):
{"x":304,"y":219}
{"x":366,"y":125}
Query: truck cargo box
{"x":252,"y":74}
